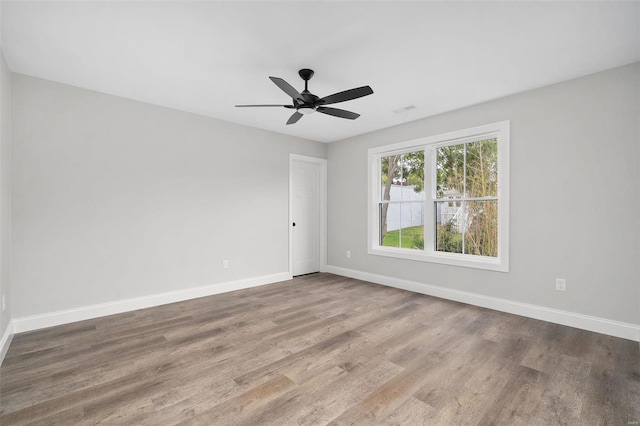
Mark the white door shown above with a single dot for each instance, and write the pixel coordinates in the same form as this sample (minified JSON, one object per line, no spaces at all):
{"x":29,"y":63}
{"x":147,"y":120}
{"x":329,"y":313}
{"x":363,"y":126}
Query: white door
{"x":305,"y":217}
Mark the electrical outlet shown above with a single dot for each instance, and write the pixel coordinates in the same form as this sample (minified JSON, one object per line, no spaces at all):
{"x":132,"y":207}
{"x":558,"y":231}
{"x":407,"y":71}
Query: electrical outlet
{"x":561,"y":284}
{"x":225,"y":264}
{"x":348,"y":254}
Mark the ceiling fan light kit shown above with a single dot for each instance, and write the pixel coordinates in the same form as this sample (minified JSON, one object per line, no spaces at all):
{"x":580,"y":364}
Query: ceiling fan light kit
{"x":306,"y":102}
{"x":306,"y":110}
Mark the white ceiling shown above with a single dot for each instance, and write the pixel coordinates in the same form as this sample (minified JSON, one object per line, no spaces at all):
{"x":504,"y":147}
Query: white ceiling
{"x":206,"y":56}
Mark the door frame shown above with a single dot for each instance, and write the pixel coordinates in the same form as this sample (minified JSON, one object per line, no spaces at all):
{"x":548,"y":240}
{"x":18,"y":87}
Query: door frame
{"x":322,"y":207}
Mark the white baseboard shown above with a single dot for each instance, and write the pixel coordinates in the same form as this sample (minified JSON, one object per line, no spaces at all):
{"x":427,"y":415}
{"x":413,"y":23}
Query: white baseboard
{"x":6,"y":341}
{"x":51,"y":319}
{"x":585,"y":322}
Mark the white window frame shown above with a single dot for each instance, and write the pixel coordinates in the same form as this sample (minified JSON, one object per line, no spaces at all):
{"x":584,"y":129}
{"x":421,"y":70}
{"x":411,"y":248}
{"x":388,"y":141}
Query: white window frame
{"x":500,"y":263}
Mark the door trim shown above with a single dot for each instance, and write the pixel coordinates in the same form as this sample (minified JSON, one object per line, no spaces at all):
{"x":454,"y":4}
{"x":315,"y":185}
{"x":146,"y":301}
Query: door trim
{"x":323,"y":208}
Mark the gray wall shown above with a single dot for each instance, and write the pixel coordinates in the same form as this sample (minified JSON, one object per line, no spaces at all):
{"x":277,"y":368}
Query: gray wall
{"x":115,"y":199}
{"x":5,"y":192}
{"x":574,"y":155}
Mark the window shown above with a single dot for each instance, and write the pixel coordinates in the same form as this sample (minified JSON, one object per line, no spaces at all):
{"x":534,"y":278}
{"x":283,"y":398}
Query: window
{"x":443,"y":198}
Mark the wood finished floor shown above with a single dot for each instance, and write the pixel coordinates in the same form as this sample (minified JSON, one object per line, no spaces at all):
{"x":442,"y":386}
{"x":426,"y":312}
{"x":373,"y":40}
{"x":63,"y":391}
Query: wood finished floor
{"x":320,"y":349}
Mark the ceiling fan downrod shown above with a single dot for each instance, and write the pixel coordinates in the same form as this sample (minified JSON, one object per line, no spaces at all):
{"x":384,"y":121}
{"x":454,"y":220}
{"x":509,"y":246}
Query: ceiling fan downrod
{"x":306,"y":75}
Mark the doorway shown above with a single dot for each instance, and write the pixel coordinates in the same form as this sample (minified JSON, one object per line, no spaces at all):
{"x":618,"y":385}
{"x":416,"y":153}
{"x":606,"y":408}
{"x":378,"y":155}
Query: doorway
{"x":307,"y":214}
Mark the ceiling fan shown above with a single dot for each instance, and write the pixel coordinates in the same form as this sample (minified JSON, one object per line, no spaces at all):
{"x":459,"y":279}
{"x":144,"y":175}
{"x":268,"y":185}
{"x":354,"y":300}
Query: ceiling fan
{"x":306,"y":102}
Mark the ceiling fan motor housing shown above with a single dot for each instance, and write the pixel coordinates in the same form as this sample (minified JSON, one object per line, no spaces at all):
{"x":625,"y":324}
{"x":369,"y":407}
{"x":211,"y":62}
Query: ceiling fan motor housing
{"x":310,"y":99}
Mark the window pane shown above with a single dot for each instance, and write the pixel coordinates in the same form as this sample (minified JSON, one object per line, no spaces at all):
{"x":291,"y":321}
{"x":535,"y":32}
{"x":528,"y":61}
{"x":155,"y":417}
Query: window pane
{"x":412,"y":226}
{"x":390,"y":224}
{"x":449,"y":226}
{"x":412,"y":237}
{"x":404,"y":225}
{"x":481,"y":233}
{"x":450,"y":171}
{"x":402,"y":177}
{"x":482,"y":168}
{"x":390,"y":178}
{"x":412,"y":176}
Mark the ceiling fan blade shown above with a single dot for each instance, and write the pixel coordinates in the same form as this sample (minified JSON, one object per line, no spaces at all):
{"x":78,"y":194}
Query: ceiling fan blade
{"x":286,"y":106}
{"x":294,"y":118}
{"x":347,"y":95}
{"x":338,"y":113}
{"x":287,"y":88}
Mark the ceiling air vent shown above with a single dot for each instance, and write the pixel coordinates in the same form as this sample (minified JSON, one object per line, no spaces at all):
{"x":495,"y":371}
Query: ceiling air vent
{"x":404,"y":109}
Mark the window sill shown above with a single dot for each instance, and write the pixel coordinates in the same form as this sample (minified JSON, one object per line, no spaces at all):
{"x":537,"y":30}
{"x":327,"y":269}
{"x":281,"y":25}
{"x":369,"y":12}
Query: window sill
{"x":467,"y":261}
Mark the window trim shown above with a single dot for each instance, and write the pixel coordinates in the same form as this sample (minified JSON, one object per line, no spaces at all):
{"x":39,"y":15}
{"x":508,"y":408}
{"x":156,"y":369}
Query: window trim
{"x":501,"y":130}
